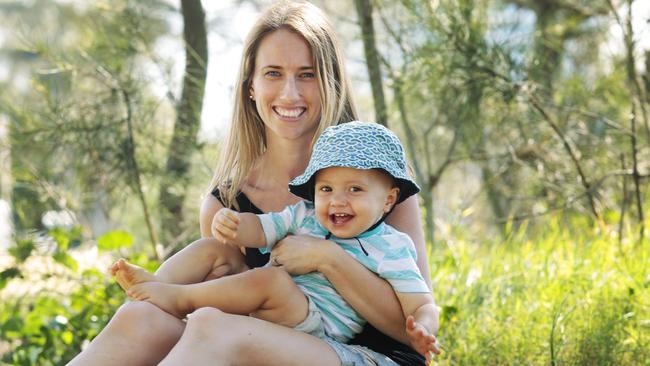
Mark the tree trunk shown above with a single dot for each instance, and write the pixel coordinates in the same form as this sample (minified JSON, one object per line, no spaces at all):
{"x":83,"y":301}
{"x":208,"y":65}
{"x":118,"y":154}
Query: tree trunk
{"x":429,"y":215}
{"x":184,"y":138}
{"x":364,"y":12}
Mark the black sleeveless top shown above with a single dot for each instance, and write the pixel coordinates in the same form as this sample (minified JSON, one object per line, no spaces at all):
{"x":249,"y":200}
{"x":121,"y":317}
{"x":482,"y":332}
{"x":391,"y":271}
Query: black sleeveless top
{"x":369,"y":337}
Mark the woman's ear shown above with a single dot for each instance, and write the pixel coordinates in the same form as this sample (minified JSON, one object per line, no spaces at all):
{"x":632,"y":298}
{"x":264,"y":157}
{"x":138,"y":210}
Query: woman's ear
{"x":251,"y":93}
{"x":391,"y":199}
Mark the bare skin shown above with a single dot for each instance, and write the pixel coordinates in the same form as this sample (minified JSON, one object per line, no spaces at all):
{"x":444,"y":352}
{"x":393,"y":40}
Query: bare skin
{"x":270,"y":295}
{"x":202,"y":260}
{"x":127,"y":274}
{"x":213,"y":337}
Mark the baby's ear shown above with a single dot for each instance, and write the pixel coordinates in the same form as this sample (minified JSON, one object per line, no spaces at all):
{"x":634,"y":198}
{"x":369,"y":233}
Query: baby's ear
{"x":391,"y":199}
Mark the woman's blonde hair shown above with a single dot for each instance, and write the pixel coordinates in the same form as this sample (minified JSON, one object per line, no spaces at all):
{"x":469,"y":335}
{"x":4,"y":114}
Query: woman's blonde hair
{"x":246,"y":140}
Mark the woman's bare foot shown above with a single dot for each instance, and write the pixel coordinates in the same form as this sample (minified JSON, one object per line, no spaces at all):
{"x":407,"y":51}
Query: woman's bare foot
{"x":168,"y":297}
{"x":127,"y":274}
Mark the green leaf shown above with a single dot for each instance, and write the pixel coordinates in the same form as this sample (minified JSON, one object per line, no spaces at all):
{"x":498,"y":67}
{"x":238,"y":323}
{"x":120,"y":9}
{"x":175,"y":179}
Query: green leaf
{"x":61,"y":236}
{"x":13,"y":324}
{"x":8,"y":274}
{"x":67,"y":337}
{"x":114,"y":240}
{"x":22,"y":250}
{"x":66,"y":260}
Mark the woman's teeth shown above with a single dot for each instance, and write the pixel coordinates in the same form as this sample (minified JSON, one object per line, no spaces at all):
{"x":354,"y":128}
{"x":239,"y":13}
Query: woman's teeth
{"x":289,"y":113}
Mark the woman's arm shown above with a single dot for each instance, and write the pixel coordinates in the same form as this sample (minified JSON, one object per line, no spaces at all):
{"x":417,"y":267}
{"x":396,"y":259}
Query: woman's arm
{"x":366,"y":292}
{"x":209,"y":207}
{"x":406,"y":217}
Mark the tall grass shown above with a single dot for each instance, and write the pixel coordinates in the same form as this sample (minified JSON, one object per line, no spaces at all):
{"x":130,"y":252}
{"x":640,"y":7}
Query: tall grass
{"x":563,"y":294}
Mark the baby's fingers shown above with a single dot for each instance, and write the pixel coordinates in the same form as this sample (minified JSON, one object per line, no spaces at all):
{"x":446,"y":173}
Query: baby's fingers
{"x":231,"y":215}
{"x":410,"y":323}
{"x":225,"y":234}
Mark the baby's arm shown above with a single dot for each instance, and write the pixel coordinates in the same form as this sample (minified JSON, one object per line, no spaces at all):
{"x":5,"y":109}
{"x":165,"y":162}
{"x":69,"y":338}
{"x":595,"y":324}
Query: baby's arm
{"x":421,"y":315}
{"x":238,"y":228}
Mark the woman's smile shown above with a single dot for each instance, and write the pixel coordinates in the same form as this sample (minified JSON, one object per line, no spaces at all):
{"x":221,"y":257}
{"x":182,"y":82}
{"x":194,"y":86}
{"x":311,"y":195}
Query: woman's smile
{"x":289,"y":113}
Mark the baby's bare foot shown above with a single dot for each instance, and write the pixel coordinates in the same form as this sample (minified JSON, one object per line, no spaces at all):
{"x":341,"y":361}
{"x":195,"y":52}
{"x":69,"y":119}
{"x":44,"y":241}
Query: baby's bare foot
{"x":127,"y":274}
{"x":168,"y":297}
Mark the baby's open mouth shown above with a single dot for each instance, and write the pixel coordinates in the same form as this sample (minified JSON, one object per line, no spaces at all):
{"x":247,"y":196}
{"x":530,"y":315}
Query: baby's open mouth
{"x":340,"y":218}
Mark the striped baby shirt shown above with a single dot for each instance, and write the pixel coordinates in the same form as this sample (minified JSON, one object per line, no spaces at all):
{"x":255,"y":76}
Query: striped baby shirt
{"x":383,"y":250}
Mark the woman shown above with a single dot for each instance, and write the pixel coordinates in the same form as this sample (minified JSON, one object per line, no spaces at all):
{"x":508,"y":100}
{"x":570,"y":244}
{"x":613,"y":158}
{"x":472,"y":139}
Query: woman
{"x":292,"y":85}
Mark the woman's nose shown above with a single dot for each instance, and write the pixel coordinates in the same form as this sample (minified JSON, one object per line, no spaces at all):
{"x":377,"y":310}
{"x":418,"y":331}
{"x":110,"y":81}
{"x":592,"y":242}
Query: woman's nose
{"x":290,"y":90}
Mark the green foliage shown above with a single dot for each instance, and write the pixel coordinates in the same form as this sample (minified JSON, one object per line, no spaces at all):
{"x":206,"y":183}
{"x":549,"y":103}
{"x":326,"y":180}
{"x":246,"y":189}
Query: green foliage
{"x":114,"y":240}
{"x":50,"y":326}
{"x":45,"y":330}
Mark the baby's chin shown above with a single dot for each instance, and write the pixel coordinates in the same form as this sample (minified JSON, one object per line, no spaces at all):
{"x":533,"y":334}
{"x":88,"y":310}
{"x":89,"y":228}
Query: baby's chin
{"x":343,"y":233}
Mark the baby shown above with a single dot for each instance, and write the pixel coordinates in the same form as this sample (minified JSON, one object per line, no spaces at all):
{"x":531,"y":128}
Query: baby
{"x":356,"y":175}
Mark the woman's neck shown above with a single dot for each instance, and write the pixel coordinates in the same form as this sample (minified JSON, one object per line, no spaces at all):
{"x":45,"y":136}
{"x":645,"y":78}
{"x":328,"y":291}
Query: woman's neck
{"x":282,"y":161}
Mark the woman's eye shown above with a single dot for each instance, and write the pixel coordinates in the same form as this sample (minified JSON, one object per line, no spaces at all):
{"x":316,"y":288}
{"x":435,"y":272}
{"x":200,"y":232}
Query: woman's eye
{"x":272,"y":73}
{"x":308,"y":75}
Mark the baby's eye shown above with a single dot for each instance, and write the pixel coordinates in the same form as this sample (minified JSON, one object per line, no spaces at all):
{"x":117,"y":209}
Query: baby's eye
{"x":355,"y":189}
{"x":325,"y":189}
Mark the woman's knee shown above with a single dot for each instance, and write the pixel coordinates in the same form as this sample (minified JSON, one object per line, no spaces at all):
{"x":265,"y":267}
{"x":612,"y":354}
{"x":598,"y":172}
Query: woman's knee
{"x":140,"y":317}
{"x":212,"y":326}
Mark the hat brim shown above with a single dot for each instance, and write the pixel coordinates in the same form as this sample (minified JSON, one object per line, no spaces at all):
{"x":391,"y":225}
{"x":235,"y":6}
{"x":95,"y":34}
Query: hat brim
{"x":306,"y":190}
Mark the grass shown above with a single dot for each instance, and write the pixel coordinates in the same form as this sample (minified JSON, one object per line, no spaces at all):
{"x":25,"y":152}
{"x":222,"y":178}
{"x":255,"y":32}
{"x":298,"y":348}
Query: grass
{"x":546,"y":296}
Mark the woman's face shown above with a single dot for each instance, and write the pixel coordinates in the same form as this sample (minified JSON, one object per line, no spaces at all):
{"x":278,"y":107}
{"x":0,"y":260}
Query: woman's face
{"x":285,"y":86}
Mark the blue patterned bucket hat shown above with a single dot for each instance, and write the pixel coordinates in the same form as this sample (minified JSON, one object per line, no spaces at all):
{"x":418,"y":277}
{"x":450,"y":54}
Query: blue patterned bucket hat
{"x":358,"y":145}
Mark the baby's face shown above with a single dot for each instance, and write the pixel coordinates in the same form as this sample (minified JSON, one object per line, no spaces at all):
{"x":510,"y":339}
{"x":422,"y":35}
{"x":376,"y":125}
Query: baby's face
{"x":348,"y":201}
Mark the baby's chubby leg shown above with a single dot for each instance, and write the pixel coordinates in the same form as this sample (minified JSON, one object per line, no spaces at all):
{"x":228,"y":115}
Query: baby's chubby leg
{"x":267,"y":293}
{"x":127,"y":274}
{"x":203,"y":259}
{"x":169,"y":297}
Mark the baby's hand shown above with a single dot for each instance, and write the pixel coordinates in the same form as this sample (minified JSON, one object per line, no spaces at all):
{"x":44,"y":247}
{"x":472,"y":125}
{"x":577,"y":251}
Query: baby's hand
{"x":420,"y":338}
{"x":224,"y":225}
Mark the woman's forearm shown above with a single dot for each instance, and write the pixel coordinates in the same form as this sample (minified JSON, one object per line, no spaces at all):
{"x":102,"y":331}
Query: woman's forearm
{"x":368,"y":294}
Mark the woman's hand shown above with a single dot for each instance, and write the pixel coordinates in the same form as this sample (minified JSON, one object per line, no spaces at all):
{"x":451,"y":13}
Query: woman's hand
{"x":300,"y":254}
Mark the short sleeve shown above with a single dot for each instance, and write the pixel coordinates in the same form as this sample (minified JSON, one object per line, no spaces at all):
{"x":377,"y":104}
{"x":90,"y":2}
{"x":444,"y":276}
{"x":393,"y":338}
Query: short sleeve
{"x":277,"y":225}
{"x":399,"y":266}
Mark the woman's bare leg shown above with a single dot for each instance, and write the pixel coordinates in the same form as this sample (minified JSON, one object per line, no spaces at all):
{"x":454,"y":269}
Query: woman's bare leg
{"x":213,"y":337}
{"x":138,"y":334}
{"x":267,"y":293}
